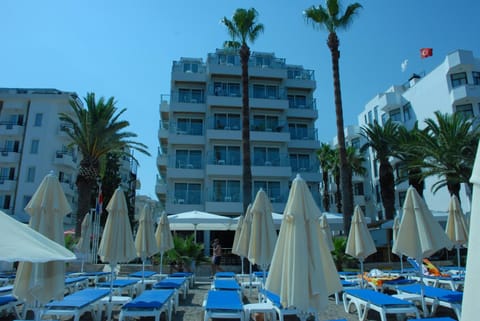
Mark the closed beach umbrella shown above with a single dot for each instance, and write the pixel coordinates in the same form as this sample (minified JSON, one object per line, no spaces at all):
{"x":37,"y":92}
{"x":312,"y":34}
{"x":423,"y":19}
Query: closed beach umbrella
{"x":419,"y":234}
{"x":395,"y":227}
{"x":325,"y":231}
{"x":263,"y":235}
{"x":83,"y":244}
{"x":456,"y":229}
{"x":359,"y":243}
{"x":117,"y":245}
{"x":302,"y":271}
{"x":472,"y":275}
{"x":19,"y":242}
{"x":244,"y":238}
{"x":236,"y":237}
{"x":38,"y":283}
{"x":164,"y":238}
{"x":145,"y":242}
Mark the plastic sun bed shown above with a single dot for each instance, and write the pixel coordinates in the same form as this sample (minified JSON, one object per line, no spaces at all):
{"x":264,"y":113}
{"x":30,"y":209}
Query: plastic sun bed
{"x":274,"y":299}
{"x":76,"y":283}
{"x":177,"y":284}
{"x":76,"y":304}
{"x":365,"y":300}
{"x":223,"y":305}
{"x":189,"y":275}
{"x":437,"y":297}
{"x":8,"y":303}
{"x":226,"y":284}
{"x":140,"y":274}
{"x":120,"y":285}
{"x":150,"y":303}
{"x":224,"y":275}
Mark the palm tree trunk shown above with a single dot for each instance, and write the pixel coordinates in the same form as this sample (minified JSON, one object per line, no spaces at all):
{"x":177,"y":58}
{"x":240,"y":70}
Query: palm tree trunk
{"x":326,"y":196}
{"x":387,"y":189}
{"x":84,"y":194}
{"x":246,"y":162}
{"x":346,"y":183}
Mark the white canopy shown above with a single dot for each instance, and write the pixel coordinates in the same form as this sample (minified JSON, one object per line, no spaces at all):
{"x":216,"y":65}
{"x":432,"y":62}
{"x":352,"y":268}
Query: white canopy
{"x":200,"y":221}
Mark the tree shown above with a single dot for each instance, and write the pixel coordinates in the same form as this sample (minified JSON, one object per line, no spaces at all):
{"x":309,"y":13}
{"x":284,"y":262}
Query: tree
{"x":382,"y":140}
{"x":96,"y":131}
{"x":325,"y":156}
{"x":243,"y":28}
{"x":450,"y":143}
{"x":329,"y":17}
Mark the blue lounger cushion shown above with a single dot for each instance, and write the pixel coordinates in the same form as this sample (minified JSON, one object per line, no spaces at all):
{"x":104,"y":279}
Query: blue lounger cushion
{"x":170,"y":283}
{"x":377,"y":298}
{"x":180,"y":274}
{"x":225,"y":275}
{"x":223,"y":300}
{"x":79,"y":299}
{"x":5,"y":299}
{"x":117,"y":283}
{"x":226,"y":284}
{"x":75,"y":279}
{"x":273,"y":297}
{"x":140,"y":274}
{"x":150,"y":299}
{"x":433,"y":292}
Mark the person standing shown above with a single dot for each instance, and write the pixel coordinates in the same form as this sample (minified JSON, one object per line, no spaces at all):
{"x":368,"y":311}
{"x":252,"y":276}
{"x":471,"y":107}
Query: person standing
{"x":216,"y":257}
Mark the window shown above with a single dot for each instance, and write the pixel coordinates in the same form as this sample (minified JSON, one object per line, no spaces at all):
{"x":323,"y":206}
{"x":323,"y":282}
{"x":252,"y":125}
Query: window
{"x":407,"y":111}
{"x":401,"y":171}
{"x":262,"y":61}
{"x":191,"y":159}
{"x":298,"y":131}
{"x":270,"y":187}
{"x":12,"y":146}
{"x":297,"y":101}
{"x":226,"y":191}
{"x":264,"y":156}
{"x":227,"y":121}
{"x":190,"y":67}
{"x":7,"y":173}
{"x":358,"y":189}
{"x":34,"y":146}
{"x":38,"y":120}
{"x":355,"y":143}
{"x":370,"y":117}
{"x":375,"y":113}
{"x":188,"y":193}
{"x":265,"y":91}
{"x":16,"y":120}
{"x":265,"y":123}
{"x":476,"y":78}
{"x":465,"y":110}
{"x":190,"y":126}
{"x":384,"y":118}
{"x":226,"y":59}
{"x":187,"y":95}
{"x":396,"y":115}
{"x":227,"y":89}
{"x":299,"y":162}
{"x":227,"y":155}
{"x":458,"y":79}
{"x":5,"y":201}
{"x":31,"y":174}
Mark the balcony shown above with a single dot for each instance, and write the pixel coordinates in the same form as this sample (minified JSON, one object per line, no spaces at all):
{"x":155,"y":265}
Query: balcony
{"x":162,"y":160}
{"x":189,"y":71}
{"x":272,"y":103}
{"x":390,"y":100}
{"x":188,"y":102}
{"x":165,"y":107}
{"x":9,"y":156}
{"x":303,"y":138}
{"x":189,"y":202}
{"x":270,"y":169}
{"x":303,"y":111}
{"x":161,"y":188}
{"x":267,"y":71}
{"x":300,"y":78}
{"x":278,"y":134}
{"x":11,"y":129}
{"x":7,"y":185}
{"x":163,"y":132}
{"x":226,"y":204}
{"x":62,"y":158}
{"x":465,"y":94}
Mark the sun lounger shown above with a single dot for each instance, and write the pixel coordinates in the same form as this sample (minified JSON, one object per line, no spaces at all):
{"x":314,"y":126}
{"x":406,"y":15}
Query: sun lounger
{"x":189,"y":275}
{"x":274,"y":299}
{"x":7,"y":289}
{"x":76,"y":283}
{"x":436,"y":297}
{"x":224,"y":275}
{"x":365,"y":300}
{"x":177,"y":284}
{"x":150,"y":303}
{"x":142,"y":274}
{"x":223,"y":305}
{"x":226,"y":284}
{"x":93,"y":277}
{"x":346,"y":284}
{"x":76,"y":304}
{"x":8,"y":304}
{"x":119,"y":286}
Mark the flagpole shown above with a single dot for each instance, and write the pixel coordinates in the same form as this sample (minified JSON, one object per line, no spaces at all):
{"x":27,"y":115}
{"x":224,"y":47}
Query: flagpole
{"x":98,"y":212}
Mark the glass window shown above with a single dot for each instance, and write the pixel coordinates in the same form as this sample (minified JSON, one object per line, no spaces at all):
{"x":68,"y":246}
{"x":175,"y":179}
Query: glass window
{"x":227,"y":155}
{"x":190,"y":67}
{"x":38,"y":119}
{"x":384,"y":118}
{"x":187,"y":193}
{"x":476,"y":78}
{"x":299,"y":162}
{"x":458,"y":79}
{"x":34,"y":146}
{"x":265,"y":91}
{"x":191,"y":159}
{"x":226,"y":191}
{"x":187,"y":126}
{"x":31,"y":174}
{"x":264,"y":156}
{"x":375,"y":113}
{"x":262,"y":61}
{"x":358,"y":188}
{"x":220,"y":121}
{"x":5,"y":202}
{"x":370,"y":117}
{"x":396,"y":115}
{"x":297,"y":101}
{"x":355,"y":143}
{"x":407,"y":111}
{"x":465,"y":110}
{"x":272,"y":189}
{"x":298,"y":131}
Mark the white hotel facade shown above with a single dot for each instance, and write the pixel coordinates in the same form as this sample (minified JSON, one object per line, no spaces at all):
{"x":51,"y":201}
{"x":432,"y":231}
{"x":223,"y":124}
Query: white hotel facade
{"x":453,"y":86}
{"x":199,"y":158}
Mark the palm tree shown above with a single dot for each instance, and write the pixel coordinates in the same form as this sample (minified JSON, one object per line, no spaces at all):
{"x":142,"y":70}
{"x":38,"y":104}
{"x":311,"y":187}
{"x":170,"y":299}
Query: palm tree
{"x":329,"y":17}
{"x":411,"y":153}
{"x":382,"y":140}
{"x":325,"y":156}
{"x":356,"y":160}
{"x":449,"y":142}
{"x":242,"y":28}
{"x":96,"y":131}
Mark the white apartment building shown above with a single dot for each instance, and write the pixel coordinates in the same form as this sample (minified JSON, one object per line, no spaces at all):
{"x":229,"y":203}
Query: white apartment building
{"x":453,"y":86}
{"x":33,"y":142}
{"x":200,"y":160}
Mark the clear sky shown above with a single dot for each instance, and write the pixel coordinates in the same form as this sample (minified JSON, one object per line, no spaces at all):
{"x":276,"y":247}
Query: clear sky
{"x":125,"y":49}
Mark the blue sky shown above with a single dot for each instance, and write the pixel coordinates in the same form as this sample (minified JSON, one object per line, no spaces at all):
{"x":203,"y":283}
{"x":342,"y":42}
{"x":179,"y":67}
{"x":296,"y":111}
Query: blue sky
{"x":125,"y":49}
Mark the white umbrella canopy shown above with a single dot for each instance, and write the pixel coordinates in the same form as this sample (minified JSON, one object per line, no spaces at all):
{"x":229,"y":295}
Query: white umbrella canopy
{"x":199,"y":221}
{"x":395,"y":227}
{"x":244,"y":238}
{"x":117,"y":245}
{"x":263,"y":235}
{"x":419,"y":234}
{"x":145,"y":242}
{"x":302,"y":271}
{"x":325,"y":231}
{"x":472,"y":276}
{"x":38,"y":283}
{"x":164,"y":238}
{"x":456,"y":228}
{"x":19,"y":242}
{"x":360,"y":242}
{"x":83,"y":244}
{"x":238,"y":231}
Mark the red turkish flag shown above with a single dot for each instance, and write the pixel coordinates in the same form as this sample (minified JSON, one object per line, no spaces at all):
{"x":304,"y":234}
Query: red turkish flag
{"x":426,"y":52}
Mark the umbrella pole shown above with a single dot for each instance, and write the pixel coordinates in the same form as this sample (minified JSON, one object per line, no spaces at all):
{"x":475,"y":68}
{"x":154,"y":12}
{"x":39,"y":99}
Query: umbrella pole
{"x":422,"y":290}
{"x":401,"y":263}
{"x":143,"y":272}
{"x":458,"y":256}
{"x":241,"y":258}
{"x":161,"y":263}
{"x":361,"y":272}
{"x":112,"y":273}
{"x":82,"y":265}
